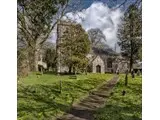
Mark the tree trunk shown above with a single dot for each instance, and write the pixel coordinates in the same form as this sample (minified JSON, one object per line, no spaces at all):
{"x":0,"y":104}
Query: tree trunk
{"x":85,"y":70}
{"x":126,"y":80}
{"x":70,"y":69}
{"x":131,"y":64}
{"x":36,"y":60}
{"x":131,"y":39}
{"x":131,"y":57}
{"x":33,"y":59}
{"x":74,"y":70}
{"x":42,"y":70}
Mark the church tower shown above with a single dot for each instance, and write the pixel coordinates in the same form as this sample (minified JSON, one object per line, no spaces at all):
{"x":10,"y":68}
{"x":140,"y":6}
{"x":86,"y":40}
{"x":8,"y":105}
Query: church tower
{"x":61,"y":28}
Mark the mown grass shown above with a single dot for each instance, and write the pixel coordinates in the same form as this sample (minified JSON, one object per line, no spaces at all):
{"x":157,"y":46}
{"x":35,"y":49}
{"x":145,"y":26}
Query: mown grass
{"x":119,"y":107}
{"x":40,"y":98}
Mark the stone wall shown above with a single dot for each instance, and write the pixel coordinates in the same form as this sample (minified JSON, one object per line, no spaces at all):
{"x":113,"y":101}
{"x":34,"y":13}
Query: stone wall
{"x":61,"y":28}
{"x":121,"y":65}
{"x":100,"y":62}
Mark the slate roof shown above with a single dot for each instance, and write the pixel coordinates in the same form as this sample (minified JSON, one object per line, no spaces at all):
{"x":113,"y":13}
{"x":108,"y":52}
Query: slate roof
{"x":104,"y":51}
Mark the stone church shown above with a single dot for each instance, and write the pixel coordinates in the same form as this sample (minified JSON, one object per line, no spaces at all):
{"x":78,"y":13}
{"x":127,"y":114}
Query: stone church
{"x":106,"y":61}
{"x":101,"y":60}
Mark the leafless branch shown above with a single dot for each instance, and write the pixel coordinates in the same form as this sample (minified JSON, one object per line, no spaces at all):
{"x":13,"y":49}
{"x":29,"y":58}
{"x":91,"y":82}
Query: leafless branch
{"x":120,"y":5}
{"x":53,"y":26}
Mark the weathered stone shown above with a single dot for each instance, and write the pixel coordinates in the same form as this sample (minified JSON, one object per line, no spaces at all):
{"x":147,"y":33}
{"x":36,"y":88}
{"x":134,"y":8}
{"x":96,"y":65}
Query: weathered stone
{"x":100,"y":60}
{"x":138,"y":73}
{"x":98,"y":65}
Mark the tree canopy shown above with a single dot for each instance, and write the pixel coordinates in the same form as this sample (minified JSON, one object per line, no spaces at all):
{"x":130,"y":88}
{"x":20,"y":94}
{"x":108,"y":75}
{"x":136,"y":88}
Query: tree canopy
{"x":36,"y":20}
{"x":74,"y":47}
{"x":130,"y":34}
{"x":97,"y":37}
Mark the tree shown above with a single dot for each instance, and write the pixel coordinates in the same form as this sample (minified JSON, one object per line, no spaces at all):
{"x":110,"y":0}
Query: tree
{"x":22,"y":58}
{"x":130,"y":34}
{"x":123,"y":3}
{"x":36,"y":20}
{"x":96,"y":37}
{"x":140,"y":53}
{"x":22,"y":63}
{"x":49,"y":55}
{"x":74,"y":47}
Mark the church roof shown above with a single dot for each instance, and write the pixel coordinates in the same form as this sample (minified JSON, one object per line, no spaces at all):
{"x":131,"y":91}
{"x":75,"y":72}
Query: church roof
{"x":104,"y":51}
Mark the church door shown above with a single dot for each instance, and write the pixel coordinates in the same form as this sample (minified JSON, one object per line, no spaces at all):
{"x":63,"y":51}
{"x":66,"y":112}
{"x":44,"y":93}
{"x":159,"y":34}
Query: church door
{"x":98,"y":69}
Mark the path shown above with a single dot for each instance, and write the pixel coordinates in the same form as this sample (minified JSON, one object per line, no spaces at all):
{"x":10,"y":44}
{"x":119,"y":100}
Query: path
{"x":86,"y":108}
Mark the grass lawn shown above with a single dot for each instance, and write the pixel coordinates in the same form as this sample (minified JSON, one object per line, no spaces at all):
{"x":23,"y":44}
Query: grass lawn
{"x":40,"y":99}
{"x":128,"y":107}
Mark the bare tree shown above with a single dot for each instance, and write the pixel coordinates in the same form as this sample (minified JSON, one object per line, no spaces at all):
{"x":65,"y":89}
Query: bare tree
{"x":96,"y":36}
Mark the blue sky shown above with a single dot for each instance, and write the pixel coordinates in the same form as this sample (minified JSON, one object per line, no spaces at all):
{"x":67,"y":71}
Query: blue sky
{"x":99,"y":15}
{"x":110,"y":3}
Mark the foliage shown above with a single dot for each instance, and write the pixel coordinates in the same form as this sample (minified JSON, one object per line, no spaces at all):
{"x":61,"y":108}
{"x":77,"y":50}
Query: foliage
{"x":39,"y":98}
{"x":22,"y":63}
{"x":97,"y":37}
{"x":119,"y":107}
{"x":130,"y":34}
{"x":50,"y":58}
{"x":74,"y":47}
{"x":140,"y":54}
{"x":49,"y":54}
{"x":36,"y":20}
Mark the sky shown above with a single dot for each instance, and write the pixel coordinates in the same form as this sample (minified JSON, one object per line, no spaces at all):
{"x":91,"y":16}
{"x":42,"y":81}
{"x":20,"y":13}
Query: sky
{"x":99,"y":14}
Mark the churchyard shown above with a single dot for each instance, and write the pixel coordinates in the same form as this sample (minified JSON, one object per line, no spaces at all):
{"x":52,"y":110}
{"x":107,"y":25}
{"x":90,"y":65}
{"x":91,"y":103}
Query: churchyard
{"x":123,"y":107}
{"x":79,"y":69}
{"x":40,"y":98}
{"x":45,"y":97}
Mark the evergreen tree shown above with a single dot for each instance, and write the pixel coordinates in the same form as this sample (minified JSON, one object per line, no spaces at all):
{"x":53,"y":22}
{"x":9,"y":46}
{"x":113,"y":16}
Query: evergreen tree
{"x":130,"y":34}
{"x":74,"y":47}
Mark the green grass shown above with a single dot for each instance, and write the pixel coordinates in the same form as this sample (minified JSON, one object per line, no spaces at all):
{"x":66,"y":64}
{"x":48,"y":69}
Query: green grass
{"x":128,"y":107}
{"x":40,"y":98}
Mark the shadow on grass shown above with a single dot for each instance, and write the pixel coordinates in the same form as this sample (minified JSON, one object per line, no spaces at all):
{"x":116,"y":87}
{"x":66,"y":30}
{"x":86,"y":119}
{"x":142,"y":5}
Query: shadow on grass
{"x":45,"y":101}
{"x":81,"y":84}
{"x":50,"y":73}
{"x":62,"y":74}
{"x":38,"y":101}
{"x":116,"y":112}
{"x":118,"y":107}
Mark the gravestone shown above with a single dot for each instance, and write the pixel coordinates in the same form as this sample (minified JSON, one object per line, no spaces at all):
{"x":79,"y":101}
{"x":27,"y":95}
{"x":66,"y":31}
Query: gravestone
{"x":132,"y":74}
{"x":123,"y":93}
{"x":138,"y":73}
{"x":117,"y":71}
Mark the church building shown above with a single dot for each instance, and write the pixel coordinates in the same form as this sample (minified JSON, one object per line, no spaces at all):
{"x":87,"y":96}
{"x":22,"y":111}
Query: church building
{"x":101,"y":60}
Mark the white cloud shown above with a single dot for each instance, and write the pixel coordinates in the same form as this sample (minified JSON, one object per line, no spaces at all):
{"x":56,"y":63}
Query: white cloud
{"x":98,"y":15}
